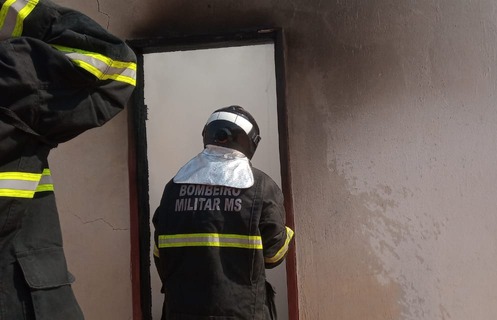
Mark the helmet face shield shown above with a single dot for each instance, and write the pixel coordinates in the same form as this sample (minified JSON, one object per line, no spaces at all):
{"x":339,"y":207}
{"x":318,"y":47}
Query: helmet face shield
{"x":232,"y":127}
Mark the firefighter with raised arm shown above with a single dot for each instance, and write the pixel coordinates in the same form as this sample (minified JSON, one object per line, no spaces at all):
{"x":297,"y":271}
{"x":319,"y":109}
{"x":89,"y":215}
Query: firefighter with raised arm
{"x":60,"y":75}
{"x":220,"y":223}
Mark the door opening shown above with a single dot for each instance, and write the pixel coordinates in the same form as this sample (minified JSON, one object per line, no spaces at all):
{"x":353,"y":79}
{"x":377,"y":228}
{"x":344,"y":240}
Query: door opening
{"x":183,"y":82}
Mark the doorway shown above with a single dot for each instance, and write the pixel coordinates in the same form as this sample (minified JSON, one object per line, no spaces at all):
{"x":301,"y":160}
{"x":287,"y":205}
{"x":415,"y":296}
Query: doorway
{"x":182,"y":84}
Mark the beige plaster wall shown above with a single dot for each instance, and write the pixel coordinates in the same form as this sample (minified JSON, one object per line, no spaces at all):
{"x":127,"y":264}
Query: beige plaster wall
{"x":393,"y":143}
{"x":92,"y":190}
{"x":91,"y":185}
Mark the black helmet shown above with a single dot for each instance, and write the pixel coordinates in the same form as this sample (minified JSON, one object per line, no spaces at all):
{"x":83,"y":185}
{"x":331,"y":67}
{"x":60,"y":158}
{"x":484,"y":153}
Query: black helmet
{"x":232,"y":127}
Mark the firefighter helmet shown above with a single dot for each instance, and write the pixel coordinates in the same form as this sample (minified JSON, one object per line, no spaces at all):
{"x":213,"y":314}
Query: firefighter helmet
{"x":232,"y":127}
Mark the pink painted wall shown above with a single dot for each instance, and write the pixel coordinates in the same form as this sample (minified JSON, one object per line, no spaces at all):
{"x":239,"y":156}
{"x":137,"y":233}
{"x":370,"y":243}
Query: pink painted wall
{"x":393,"y":146}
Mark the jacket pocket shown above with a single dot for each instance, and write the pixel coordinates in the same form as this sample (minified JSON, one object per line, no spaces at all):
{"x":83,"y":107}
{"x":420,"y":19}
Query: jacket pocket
{"x":45,"y":272}
{"x":45,"y":268}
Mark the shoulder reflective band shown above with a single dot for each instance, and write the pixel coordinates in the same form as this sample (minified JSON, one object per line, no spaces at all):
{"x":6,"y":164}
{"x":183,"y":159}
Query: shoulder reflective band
{"x":101,"y":66}
{"x":210,"y":240}
{"x":12,"y":15}
{"x":23,"y":184}
{"x":231,"y":117}
{"x":282,"y":252}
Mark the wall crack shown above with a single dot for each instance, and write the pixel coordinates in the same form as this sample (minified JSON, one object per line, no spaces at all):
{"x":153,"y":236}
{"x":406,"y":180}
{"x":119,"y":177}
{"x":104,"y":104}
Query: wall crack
{"x":105,"y":14}
{"x":100,"y":220}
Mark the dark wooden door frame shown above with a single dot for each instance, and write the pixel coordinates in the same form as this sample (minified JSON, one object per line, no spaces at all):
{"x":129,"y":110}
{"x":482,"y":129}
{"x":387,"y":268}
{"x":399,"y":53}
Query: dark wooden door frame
{"x":138,"y":165}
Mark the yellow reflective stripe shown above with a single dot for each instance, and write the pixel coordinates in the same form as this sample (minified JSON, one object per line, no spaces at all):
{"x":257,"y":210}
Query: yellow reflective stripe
{"x":46,"y":187}
{"x":18,"y":184}
{"x":12,"y":16}
{"x":101,"y":66}
{"x":24,"y":184}
{"x":20,"y":176}
{"x":23,"y":13}
{"x":156,"y":251}
{"x":281,"y":253}
{"x":16,"y":193}
{"x":210,"y":240}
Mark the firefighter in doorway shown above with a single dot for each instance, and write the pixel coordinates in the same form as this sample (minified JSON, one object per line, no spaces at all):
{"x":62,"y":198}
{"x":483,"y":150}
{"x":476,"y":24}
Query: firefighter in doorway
{"x":220,"y":223}
{"x":60,"y":74}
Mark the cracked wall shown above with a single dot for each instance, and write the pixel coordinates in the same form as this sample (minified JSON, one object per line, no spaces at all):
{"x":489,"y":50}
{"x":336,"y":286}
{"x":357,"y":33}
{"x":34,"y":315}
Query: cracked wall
{"x":393,"y":135}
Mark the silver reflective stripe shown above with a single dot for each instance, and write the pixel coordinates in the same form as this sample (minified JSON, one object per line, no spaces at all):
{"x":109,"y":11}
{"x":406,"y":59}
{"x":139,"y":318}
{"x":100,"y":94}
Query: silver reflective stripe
{"x":12,"y":15}
{"x":23,"y":184}
{"x":210,"y":240}
{"x":101,"y":66}
{"x":231,"y":117}
{"x":7,"y":21}
{"x":18,"y":184}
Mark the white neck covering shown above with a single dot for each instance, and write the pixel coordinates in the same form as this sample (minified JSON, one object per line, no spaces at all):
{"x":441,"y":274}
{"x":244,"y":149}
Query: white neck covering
{"x":217,"y":166}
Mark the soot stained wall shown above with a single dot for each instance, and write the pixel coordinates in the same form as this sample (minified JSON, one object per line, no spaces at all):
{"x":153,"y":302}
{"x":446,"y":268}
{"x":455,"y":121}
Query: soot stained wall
{"x":393,"y":135}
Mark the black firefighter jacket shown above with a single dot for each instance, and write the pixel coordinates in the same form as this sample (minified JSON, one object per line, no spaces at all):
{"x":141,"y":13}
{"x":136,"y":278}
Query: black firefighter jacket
{"x":60,"y":74}
{"x":213,"y":244}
